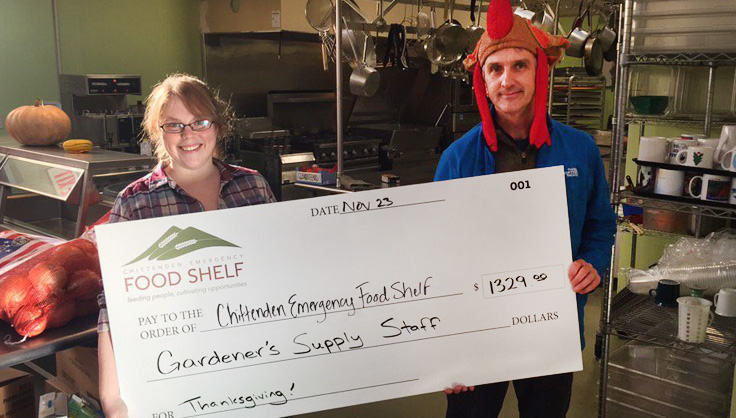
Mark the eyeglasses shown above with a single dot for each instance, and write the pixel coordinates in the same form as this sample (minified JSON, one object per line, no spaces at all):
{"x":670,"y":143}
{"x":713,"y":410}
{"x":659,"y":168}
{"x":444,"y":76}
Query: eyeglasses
{"x":178,"y":127}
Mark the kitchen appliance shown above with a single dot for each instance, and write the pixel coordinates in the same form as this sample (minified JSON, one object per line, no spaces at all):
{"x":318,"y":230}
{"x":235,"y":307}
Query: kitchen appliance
{"x":404,"y":146}
{"x":464,"y":108}
{"x":310,"y":118}
{"x":98,"y":109}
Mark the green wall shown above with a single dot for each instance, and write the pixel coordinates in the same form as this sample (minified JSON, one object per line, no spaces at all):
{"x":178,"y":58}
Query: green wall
{"x":28,"y":64}
{"x":147,"y":37}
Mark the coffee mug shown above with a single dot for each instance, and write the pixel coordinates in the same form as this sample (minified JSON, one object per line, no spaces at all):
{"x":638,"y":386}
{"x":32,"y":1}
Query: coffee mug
{"x":725,"y":301}
{"x":692,"y":192}
{"x":676,"y":145}
{"x":732,"y":192}
{"x":708,"y":142}
{"x":695,"y":156}
{"x":697,"y":291}
{"x":669,"y":182}
{"x":728,"y":160}
{"x":691,"y":137}
{"x":714,"y":188}
{"x":645,"y":179}
{"x":666,"y":293}
{"x":727,"y":140}
{"x":653,"y":149}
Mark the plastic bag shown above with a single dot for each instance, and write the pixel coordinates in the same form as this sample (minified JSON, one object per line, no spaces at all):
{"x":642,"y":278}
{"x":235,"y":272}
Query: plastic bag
{"x":708,"y":263}
{"x":49,"y":287}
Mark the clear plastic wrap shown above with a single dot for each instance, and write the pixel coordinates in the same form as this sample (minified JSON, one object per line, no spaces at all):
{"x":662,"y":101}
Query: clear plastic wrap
{"x":708,"y":263}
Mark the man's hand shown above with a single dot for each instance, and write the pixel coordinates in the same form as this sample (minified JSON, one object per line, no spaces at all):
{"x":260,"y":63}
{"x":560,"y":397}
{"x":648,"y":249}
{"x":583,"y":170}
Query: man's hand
{"x":458,"y":388}
{"x":584,"y":277}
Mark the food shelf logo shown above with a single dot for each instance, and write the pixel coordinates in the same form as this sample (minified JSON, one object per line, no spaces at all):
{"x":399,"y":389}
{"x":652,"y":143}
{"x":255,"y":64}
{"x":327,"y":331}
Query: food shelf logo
{"x":175,"y":243}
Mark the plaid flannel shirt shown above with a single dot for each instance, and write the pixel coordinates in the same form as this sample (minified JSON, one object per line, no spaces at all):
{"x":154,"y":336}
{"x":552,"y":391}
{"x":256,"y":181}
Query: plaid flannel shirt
{"x":156,"y":194}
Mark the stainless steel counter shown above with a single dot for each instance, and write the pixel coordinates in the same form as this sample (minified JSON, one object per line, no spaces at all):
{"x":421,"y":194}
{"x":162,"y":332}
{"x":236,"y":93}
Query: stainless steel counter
{"x":52,"y":189}
{"x":96,"y":160}
{"x":79,"y":331}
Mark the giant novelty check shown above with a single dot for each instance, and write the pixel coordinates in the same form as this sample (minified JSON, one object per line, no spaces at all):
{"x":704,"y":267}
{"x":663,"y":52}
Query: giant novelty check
{"x":286,"y":308}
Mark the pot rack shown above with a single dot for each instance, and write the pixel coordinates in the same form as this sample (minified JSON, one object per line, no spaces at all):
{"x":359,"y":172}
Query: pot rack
{"x":561,"y":7}
{"x":568,"y":8}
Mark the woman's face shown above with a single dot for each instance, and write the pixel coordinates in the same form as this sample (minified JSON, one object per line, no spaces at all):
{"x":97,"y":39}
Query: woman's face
{"x":189,"y":150}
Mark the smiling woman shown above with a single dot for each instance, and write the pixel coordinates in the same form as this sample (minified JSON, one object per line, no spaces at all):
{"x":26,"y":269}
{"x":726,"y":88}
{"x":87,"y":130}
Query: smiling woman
{"x":186,"y":123}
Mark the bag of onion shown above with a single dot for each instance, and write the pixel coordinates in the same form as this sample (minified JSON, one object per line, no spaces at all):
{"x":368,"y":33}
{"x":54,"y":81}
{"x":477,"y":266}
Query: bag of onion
{"x":47,"y":287}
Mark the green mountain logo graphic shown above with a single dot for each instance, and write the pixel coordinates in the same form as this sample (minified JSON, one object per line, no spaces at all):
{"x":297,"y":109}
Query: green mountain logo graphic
{"x":177,"y":242}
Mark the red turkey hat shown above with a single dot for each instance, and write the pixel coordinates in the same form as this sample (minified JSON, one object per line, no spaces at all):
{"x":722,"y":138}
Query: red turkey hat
{"x":507,"y":30}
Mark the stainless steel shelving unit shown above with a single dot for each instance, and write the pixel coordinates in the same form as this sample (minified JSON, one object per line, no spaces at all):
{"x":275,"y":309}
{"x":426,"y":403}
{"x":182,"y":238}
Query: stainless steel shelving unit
{"x":578,"y":101}
{"x":720,"y":211}
{"x":635,"y":317}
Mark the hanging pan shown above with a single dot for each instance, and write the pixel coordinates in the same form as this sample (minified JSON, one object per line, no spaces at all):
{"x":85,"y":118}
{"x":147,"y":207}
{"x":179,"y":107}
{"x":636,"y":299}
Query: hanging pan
{"x":451,"y":38}
{"x":475,"y":31}
{"x":593,"y":50}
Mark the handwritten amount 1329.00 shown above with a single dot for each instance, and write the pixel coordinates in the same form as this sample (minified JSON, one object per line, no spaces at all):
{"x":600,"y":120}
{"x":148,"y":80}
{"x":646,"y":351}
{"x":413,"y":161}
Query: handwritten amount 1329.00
{"x":508,"y":284}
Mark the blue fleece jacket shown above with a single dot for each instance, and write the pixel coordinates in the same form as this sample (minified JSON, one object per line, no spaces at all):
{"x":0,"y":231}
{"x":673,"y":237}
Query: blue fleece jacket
{"x":592,"y":222}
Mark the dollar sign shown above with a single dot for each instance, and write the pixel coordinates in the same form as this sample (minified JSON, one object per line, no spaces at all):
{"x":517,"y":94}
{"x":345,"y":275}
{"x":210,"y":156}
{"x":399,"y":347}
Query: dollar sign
{"x":476,"y":287}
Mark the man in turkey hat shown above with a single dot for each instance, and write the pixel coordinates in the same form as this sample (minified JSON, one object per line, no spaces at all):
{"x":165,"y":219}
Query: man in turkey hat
{"x":510,"y":68}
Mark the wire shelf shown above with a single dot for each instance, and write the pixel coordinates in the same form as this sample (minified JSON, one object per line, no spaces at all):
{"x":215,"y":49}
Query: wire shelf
{"x":628,"y":227}
{"x":677,"y":120}
{"x":726,"y":211}
{"x":694,"y":58}
{"x":637,"y":317}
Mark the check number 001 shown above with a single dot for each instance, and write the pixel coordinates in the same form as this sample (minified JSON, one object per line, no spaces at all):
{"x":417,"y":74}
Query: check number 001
{"x":522,"y":281}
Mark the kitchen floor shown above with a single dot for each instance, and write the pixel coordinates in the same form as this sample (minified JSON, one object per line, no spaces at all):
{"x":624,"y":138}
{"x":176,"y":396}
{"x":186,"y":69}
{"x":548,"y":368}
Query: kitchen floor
{"x":584,"y":402}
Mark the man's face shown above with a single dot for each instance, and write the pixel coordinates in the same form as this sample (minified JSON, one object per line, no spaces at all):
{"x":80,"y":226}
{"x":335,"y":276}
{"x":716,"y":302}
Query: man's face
{"x":510,"y":80}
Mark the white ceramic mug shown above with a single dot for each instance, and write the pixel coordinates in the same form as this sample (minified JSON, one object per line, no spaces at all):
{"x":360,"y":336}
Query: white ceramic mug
{"x":676,"y":145}
{"x":728,"y":160}
{"x":695,"y":156}
{"x":708,"y":142}
{"x":727,"y":140}
{"x":669,"y":182}
{"x":715,"y":188}
{"x":725,"y":301}
{"x":653,"y":149}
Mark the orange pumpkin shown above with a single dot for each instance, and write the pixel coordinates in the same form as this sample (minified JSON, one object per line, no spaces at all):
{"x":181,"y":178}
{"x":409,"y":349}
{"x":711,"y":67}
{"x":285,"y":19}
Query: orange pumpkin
{"x":38,"y":124}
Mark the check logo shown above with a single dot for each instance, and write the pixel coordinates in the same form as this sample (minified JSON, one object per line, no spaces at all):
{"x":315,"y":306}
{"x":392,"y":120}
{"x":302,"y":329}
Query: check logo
{"x":177,"y":242}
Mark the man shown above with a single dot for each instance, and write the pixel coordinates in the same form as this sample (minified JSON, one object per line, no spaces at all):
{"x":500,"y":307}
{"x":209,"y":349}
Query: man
{"x":510,"y":68}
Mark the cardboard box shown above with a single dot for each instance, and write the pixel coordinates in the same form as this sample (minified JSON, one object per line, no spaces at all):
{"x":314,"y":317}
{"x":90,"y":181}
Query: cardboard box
{"x":53,"y":405}
{"x":77,"y":368}
{"x":321,"y":177}
{"x":16,"y":394}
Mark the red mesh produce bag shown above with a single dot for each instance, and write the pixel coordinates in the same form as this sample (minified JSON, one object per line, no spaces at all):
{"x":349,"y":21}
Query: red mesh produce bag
{"x":50,"y":286}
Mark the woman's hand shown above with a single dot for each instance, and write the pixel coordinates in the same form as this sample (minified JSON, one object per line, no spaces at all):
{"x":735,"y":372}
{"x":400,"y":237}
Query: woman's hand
{"x":115,"y":408}
{"x":458,"y":388}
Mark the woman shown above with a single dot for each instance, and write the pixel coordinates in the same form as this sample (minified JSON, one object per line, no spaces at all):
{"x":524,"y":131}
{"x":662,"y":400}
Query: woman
{"x":186,"y":123}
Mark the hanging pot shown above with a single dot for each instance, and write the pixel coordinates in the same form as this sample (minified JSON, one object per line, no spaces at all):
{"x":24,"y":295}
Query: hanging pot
{"x":593,"y":58}
{"x":451,"y":38}
{"x":475,"y":31}
{"x":609,"y":52}
{"x":577,"y":39}
{"x":364,"y":81}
